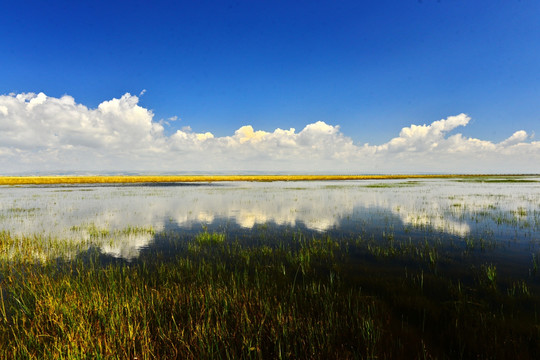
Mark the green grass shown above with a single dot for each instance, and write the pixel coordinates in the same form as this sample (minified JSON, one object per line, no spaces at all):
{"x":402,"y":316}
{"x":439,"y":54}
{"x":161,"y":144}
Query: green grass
{"x":286,"y":296}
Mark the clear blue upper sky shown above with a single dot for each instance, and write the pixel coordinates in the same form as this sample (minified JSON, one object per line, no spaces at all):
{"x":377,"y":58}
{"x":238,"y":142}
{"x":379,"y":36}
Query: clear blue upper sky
{"x":371,"y":67}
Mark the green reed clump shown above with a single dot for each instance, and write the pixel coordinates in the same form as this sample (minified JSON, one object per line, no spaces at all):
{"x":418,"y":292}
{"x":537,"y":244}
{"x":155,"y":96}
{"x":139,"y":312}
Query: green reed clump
{"x":206,"y":238}
{"x":135,"y":230}
{"x":37,"y":248}
{"x":490,"y":275}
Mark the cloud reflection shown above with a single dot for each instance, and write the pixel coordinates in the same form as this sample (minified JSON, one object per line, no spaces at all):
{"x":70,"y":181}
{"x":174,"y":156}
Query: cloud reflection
{"x":79,"y":213}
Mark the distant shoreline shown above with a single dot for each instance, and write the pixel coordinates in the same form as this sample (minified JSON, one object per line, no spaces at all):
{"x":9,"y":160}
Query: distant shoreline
{"x":125,"y":179}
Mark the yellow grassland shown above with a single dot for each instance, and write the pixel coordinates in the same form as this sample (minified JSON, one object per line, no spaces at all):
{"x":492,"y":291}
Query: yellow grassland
{"x":123,"y":179}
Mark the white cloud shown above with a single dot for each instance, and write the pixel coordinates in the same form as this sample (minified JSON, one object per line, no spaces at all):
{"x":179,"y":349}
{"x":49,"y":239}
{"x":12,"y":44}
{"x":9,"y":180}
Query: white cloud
{"x":421,"y":138}
{"x":516,"y":138}
{"x":41,"y":133}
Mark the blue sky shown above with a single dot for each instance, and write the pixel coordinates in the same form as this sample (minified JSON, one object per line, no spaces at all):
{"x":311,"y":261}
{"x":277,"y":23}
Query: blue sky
{"x":369,"y":67}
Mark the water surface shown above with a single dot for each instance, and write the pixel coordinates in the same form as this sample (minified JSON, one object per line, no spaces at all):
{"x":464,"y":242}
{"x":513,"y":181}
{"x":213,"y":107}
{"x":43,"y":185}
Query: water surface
{"x":123,"y":220}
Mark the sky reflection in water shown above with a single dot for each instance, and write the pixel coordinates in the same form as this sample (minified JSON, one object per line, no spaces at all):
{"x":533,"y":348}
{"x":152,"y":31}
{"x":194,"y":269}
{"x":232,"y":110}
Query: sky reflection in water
{"x":502,"y":211}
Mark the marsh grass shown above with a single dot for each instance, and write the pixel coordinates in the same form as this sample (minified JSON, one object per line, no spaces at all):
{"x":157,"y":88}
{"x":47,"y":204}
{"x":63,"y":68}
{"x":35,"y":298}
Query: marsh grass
{"x":213,"y":295}
{"x":43,"y":180}
{"x":32,"y":248}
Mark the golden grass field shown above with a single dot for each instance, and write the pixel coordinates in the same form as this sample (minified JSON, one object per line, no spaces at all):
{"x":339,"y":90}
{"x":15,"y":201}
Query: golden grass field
{"x":36,"y":180}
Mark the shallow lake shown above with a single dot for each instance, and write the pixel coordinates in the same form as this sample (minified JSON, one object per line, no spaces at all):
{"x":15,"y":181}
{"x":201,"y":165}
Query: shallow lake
{"x":124,"y":220}
{"x":393,"y":269}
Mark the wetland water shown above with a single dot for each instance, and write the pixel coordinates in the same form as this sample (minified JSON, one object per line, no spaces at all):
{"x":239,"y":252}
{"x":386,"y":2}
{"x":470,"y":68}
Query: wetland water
{"x":495,"y":212}
{"x":393,"y":269}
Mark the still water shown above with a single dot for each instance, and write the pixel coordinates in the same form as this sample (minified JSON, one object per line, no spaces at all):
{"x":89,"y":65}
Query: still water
{"x":497,"y":211}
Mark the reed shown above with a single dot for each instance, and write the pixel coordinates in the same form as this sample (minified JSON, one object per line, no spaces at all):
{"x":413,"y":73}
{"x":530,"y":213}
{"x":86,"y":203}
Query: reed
{"x":43,"y":180}
{"x":286,"y":296}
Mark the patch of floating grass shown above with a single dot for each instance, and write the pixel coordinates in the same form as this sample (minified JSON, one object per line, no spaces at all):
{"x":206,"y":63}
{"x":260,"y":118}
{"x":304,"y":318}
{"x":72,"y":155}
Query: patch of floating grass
{"x":521,"y":212}
{"x":92,"y":230}
{"x":393,"y":184}
{"x":135,"y":230}
{"x":18,"y":210}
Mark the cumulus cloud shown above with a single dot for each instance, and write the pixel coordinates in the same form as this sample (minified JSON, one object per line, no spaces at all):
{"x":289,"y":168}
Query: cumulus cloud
{"x":419,"y":138}
{"x":42,"y":133}
{"x":516,"y":138}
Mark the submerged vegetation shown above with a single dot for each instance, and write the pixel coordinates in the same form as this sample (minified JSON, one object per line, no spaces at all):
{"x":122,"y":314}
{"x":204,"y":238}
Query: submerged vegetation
{"x":261,"y":296}
{"x":393,"y":184}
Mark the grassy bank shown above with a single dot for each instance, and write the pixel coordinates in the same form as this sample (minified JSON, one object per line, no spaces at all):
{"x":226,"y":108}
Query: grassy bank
{"x":43,"y":180}
{"x":209,"y":296}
